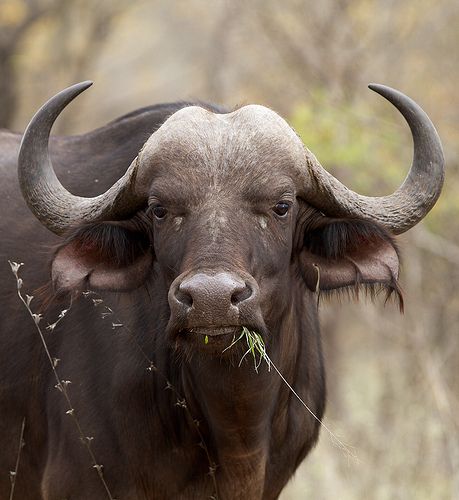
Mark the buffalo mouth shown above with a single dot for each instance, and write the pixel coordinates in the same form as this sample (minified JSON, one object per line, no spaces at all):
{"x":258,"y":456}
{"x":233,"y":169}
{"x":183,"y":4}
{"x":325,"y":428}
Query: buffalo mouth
{"x":211,"y":335}
{"x":214,"y":340}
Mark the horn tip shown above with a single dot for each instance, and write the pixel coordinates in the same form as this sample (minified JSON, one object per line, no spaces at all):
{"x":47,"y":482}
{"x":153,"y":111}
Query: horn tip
{"x":73,"y":91}
{"x":85,"y":84}
{"x":377,"y":87}
{"x":392,"y":95}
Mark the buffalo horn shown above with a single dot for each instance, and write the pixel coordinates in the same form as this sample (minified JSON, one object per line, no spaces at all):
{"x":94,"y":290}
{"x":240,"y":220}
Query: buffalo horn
{"x":420,"y":190}
{"x":49,"y":201}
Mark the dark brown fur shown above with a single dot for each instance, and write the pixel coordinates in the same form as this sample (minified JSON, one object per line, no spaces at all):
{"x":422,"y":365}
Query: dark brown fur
{"x":254,"y":430}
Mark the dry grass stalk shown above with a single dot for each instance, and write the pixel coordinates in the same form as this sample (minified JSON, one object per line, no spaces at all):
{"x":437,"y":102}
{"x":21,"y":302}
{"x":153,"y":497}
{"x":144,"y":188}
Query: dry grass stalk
{"x":116,"y":324}
{"x":257,"y":348}
{"x":14,"y":473}
{"x":61,"y":385}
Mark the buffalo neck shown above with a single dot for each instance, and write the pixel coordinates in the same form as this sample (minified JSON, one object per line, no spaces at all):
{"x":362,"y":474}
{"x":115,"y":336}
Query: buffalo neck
{"x":245,"y":412}
{"x":247,"y":420}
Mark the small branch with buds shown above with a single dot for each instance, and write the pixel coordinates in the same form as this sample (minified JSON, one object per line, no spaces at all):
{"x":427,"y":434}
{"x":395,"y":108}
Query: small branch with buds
{"x":61,"y":385}
{"x":117,"y":324}
{"x":14,"y":473}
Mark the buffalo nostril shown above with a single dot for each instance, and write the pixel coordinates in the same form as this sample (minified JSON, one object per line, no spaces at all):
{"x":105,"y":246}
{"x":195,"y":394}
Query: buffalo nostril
{"x":184,"y":297}
{"x":240,"y":295}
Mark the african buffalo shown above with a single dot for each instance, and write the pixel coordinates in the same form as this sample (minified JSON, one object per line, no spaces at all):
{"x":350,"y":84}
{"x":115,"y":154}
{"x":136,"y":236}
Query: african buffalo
{"x":223,"y":220}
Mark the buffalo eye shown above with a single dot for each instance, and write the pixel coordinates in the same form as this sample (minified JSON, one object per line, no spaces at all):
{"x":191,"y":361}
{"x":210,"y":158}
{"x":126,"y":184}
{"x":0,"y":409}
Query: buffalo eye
{"x":159,"y":212}
{"x":281,"y":208}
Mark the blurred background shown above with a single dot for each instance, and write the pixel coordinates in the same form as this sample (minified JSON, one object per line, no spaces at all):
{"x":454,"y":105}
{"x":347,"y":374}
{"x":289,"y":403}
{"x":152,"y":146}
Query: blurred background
{"x":393,"y":379}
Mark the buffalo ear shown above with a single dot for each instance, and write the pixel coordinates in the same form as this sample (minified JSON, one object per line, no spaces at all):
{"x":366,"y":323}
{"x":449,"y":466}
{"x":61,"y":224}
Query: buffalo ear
{"x":101,"y":256}
{"x":349,"y":253}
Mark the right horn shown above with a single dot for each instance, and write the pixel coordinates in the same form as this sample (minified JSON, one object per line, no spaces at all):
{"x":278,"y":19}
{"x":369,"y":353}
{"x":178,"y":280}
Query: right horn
{"x":411,"y":202}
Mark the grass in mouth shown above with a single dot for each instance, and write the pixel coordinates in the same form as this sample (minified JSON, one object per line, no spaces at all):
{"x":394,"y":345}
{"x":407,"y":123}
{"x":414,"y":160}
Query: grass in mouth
{"x":255,"y":347}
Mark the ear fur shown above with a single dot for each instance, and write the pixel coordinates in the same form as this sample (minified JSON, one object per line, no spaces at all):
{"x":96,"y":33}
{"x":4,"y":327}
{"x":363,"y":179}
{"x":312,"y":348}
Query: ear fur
{"x":348,"y":254}
{"x":103,"y":256}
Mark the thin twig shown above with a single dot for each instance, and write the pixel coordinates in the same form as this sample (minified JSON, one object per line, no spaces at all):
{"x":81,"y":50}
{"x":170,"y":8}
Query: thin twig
{"x":61,"y":385}
{"x":334,"y":438}
{"x":14,"y":474}
{"x":181,"y":402}
{"x":256,"y":343}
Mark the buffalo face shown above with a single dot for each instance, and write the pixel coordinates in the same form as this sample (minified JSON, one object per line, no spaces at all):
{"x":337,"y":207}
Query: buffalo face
{"x":223,"y":209}
{"x":224,"y":212}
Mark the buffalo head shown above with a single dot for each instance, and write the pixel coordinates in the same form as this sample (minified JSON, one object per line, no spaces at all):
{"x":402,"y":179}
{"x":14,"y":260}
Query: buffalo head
{"x":224,"y":212}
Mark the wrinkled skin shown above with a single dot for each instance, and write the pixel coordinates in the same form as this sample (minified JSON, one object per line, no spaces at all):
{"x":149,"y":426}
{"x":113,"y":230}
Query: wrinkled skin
{"x":224,"y":244}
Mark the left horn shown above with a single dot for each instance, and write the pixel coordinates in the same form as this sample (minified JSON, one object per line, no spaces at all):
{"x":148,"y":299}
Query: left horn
{"x":54,"y":206}
{"x":412,"y":201}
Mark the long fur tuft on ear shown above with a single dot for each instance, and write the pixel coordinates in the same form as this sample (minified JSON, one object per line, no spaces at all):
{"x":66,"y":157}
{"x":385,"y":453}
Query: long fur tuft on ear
{"x":389,"y":290}
{"x":340,"y":237}
{"x":105,"y":241}
{"x":350,"y":256}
